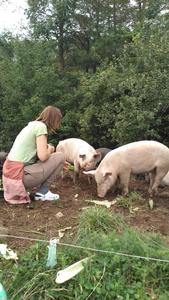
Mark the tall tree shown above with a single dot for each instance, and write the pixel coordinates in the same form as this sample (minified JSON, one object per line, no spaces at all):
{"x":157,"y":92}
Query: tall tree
{"x":51,"y":19}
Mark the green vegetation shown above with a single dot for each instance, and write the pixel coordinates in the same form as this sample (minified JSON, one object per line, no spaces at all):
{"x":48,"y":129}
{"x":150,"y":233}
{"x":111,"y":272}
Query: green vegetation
{"x":128,"y":201}
{"x":106,"y":276}
{"x":104,"y":63}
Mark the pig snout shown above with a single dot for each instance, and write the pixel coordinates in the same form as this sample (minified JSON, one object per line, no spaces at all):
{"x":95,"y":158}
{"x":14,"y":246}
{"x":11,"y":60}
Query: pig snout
{"x":101,"y":192}
{"x":100,"y":195}
{"x":88,"y":166}
{"x":104,"y":183}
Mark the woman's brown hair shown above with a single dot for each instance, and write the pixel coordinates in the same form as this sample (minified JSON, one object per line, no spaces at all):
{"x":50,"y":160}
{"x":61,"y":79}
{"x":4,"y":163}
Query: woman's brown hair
{"x":51,"y":116}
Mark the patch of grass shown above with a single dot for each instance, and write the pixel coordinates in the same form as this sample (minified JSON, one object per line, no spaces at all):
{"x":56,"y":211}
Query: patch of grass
{"x":106,"y":276}
{"x":98,"y":220}
{"x":130,"y":200}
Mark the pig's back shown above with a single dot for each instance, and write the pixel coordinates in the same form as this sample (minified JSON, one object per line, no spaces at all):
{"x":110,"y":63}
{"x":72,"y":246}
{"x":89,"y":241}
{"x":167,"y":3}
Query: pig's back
{"x":141,"y":155}
{"x":72,"y":147}
{"x":147,"y":148}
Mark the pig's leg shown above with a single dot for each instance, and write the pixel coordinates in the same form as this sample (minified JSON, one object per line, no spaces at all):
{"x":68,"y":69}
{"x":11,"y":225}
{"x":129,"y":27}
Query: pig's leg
{"x":76,"y":171}
{"x":160,"y":173}
{"x":116,"y":185}
{"x":147,"y":177}
{"x":89,"y":178}
{"x":124,"y":180}
{"x":152,"y":175}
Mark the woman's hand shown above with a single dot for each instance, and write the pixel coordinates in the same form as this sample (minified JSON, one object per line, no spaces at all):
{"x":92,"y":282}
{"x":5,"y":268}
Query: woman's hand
{"x":51,"y":148}
{"x":66,"y":166}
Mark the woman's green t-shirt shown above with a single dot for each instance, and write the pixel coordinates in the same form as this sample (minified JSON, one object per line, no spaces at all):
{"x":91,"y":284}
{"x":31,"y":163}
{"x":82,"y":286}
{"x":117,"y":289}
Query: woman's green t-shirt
{"x":24,"y":148}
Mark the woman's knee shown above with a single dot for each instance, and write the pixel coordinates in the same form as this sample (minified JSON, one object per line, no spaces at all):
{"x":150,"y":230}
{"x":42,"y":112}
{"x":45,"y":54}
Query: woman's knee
{"x":59,"y":157}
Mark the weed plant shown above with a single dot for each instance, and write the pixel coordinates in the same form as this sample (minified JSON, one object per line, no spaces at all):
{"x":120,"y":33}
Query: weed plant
{"x":106,"y":276}
{"x":129,"y":201}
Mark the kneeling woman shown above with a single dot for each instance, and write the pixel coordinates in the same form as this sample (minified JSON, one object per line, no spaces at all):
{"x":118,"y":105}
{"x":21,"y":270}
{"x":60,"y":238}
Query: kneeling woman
{"x":32,"y":162}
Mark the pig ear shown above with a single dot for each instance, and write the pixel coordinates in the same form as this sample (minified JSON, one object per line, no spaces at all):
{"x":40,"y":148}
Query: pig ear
{"x":106,"y":174}
{"x":92,"y":172}
{"x":97,"y":155}
{"x":83,"y":156}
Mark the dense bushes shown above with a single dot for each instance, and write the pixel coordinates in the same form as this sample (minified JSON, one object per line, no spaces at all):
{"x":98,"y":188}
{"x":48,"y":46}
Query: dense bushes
{"x":121,"y":96}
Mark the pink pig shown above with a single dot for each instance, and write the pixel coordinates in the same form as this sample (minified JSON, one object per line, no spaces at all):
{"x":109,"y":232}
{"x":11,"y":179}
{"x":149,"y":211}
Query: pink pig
{"x":133,"y":158}
{"x":79,"y":153}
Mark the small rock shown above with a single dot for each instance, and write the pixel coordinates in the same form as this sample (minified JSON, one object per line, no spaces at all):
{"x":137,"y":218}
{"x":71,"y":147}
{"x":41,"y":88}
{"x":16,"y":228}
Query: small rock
{"x":135,"y":209}
{"x":59,"y":215}
{"x":151,"y":203}
{"x":30,"y":206}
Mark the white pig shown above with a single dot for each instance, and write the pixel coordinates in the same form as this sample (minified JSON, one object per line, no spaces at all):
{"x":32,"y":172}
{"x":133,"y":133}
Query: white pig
{"x":79,"y":153}
{"x":137,"y":157}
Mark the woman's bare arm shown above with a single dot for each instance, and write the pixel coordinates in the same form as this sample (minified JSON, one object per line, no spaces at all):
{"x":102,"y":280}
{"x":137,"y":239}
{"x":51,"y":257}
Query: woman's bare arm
{"x":43,"y":148}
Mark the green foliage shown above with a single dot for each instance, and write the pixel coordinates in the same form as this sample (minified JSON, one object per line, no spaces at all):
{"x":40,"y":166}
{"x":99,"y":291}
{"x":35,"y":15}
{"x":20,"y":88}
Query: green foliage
{"x":145,"y":102}
{"x":100,"y":106}
{"x":111,"y":80}
{"x":106,"y":276}
{"x":105,"y":64}
{"x":96,"y":220}
{"x":128,"y":201}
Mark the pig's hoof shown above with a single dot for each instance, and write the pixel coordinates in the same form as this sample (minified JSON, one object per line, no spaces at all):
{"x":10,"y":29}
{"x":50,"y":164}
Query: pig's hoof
{"x":125,"y":194}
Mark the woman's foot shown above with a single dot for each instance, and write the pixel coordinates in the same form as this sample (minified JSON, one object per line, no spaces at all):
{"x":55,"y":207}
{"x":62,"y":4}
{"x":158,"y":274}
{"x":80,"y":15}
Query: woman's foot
{"x":49,"y":196}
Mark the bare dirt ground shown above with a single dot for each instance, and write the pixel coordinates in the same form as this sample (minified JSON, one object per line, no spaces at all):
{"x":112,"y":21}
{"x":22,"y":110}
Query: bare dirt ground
{"x":42,"y":221}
